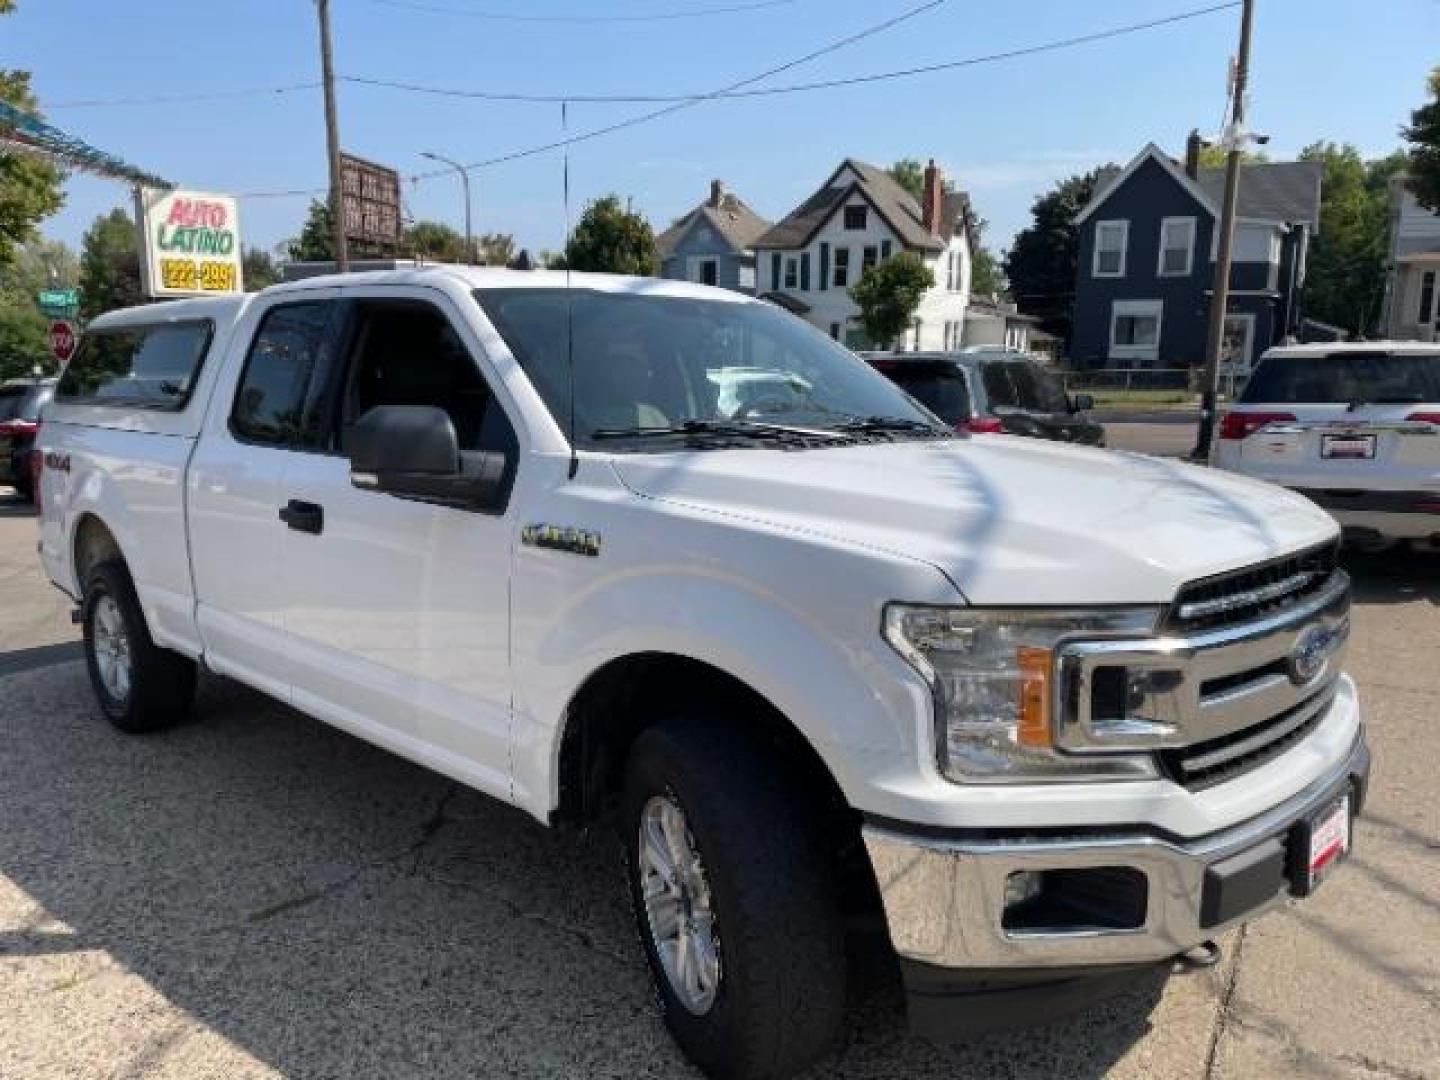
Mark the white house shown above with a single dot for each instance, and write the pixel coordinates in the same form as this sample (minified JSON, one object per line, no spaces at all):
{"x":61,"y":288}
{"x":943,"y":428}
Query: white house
{"x":860,"y":216}
{"x":1412,"y":289}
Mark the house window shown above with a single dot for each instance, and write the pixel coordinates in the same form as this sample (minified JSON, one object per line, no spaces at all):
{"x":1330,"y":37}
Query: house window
{"x":1427,"y":296}
{"x":1177,"y":246}
{"x":869,"y":257}
{"x":792,"y":274}
{"x":709,"y":272}
{"x":835,"y":331}
{"x":855,"y":218}
{"x":842,"y":267}
{"x":1135,"y":329}
{"x":1111,"y":240}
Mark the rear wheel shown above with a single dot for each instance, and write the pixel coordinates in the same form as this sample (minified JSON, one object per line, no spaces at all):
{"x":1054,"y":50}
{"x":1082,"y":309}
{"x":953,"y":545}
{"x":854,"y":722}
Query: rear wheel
{"x":140,"y":686}
{"x":735,"y":900}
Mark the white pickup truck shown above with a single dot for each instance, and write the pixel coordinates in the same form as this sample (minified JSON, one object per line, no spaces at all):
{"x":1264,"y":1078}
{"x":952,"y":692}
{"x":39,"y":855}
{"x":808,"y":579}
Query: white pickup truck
{"x":1054,"y":714}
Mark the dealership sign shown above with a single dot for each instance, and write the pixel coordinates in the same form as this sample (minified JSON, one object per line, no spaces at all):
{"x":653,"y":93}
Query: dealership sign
{"x":190,"y":243}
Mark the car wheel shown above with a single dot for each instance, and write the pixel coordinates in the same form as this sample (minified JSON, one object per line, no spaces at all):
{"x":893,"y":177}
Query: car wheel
{"x":140,"y":686}
{"x":735,"y":901}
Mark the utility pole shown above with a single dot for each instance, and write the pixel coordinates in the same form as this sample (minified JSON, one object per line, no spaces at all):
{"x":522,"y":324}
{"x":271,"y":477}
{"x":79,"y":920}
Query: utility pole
{"x":1234,"y":141}
{"x":465,"y":185}
{"x":332,"y":139}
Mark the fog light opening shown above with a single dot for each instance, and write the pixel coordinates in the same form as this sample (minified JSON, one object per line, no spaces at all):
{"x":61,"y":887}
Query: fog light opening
{"x":1094,"y":899}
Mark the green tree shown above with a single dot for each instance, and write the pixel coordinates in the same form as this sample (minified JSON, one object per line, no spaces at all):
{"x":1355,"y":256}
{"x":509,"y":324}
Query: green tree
{"x":434,"y":240}
{"x":888,"y":294}
{"x":258,"y":268}
{"x":24,"y":341}
{"x":1345,"y":276}
{"x":909,"y":174}
{"x":110,"y":266}
{"x":316,"y":242}
{"x":29,"y":185}
{"x":1042,"y":263}
{"x":1215,"y":157}
{"x":1423,"y":135}
{"x":611,"y":239}
{"x":987,"y":278}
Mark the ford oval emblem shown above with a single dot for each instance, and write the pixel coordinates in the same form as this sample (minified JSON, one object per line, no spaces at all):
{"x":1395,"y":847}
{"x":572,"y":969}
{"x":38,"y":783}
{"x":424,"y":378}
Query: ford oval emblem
{"x":1312,"y":649}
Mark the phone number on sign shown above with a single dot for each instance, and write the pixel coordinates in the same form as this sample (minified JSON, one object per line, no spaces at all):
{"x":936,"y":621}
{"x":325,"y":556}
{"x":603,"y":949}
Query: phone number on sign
{"x":203,"y":276}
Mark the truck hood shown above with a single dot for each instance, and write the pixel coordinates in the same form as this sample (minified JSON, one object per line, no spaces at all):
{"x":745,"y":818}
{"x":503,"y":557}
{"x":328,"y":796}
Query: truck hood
{"x":1007,"y":520}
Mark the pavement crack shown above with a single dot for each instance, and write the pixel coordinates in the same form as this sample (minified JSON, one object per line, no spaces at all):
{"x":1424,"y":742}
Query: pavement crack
{"x":577,"y":934}
{"x":1384,"y":1068}
{"x":430,"y":826}
{"x":1223,"y":1014}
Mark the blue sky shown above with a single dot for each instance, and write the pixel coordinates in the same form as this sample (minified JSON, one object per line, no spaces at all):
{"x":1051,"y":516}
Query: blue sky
{"x":1334,"y":69}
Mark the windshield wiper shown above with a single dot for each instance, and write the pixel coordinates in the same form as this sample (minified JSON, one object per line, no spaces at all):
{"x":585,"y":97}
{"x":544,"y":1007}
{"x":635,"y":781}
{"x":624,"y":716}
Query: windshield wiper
{"x":720,"y":429}
{"x":885,"y":425}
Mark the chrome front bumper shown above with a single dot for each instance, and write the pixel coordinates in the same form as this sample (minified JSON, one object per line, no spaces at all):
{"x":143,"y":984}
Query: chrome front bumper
{"x":944,"y":897}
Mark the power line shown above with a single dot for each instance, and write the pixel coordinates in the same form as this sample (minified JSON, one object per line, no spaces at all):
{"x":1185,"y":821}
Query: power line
{"x":689,"y":102}
{"x":659,"y":16}
{"x":793,"y":88}
{"x":740,"y":90}
{"x":180,"y":99}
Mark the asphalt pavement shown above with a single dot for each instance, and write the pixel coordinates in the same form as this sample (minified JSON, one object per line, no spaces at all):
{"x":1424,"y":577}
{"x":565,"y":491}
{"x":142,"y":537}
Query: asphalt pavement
{"x":255,"y":895}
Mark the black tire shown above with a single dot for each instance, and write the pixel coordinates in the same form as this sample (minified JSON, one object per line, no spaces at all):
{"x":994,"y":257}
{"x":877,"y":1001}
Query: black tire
{"x":782,"y":986}
{"x":161,"y":682}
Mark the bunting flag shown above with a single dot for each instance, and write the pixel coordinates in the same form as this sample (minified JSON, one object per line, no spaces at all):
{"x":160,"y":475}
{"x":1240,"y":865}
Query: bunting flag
{"x":23,"y":131}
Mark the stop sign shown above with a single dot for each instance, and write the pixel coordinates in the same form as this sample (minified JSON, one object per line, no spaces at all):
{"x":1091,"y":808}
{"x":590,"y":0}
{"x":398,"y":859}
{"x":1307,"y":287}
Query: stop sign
{"x":62,"y":340}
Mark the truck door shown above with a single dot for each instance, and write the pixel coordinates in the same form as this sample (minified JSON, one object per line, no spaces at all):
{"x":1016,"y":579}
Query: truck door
{"x":233,"y":490}
{"x":398,"y":611}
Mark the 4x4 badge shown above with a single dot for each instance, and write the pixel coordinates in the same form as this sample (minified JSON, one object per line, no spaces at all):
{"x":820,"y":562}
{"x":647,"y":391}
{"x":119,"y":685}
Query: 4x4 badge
{"x":562,"y":538}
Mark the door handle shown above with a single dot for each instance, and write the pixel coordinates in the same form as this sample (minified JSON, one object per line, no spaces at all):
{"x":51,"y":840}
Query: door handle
{"x":303,"y":516}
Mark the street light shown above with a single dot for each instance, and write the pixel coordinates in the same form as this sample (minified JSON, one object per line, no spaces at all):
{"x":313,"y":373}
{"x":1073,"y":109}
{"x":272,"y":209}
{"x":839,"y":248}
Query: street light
{"x":465,"y":181}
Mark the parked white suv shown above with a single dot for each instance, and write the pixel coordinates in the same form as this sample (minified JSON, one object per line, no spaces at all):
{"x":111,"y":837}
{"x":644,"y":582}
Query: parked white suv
{"x":1051,"y":713}
{"x":1356,"y":427}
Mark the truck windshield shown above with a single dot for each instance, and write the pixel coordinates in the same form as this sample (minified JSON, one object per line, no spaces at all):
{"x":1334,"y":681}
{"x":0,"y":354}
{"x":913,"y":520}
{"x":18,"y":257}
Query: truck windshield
{"x":1374,"y":377}
{"x":653,"y":365}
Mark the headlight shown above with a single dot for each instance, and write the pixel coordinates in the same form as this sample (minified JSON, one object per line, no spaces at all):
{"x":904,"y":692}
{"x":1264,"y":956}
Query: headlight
{"x":992,"y":675}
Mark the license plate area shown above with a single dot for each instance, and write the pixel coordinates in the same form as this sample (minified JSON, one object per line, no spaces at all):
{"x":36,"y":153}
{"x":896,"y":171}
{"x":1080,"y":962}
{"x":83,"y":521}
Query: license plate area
{"x":1319,"y":844}
{"x":1347,"y":447}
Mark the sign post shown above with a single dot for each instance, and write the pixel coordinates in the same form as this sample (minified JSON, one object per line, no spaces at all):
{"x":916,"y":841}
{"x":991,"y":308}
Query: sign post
{"x":189,"y":243}
{"x":63,"y":340}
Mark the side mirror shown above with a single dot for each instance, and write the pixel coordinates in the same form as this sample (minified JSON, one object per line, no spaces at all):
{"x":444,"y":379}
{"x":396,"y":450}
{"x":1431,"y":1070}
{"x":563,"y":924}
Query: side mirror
{"x":1082,"y":403}
{"x":412,"y":452}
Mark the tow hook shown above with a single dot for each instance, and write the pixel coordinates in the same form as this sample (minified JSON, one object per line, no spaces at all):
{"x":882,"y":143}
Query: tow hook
{"x":1199,"y":957}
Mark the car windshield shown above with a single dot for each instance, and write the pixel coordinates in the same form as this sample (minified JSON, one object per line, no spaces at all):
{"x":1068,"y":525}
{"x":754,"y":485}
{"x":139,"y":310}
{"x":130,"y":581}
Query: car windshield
{"x":11,"y":398}
{"x":1349,"y":377}
{"x":650,"y":366}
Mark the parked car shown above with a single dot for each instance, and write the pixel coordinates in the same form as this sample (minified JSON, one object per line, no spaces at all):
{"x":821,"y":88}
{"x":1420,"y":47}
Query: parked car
{"x":993,"y":389}
{"x":20,"y":407}
{"x":1048,"y":716}
{"x":1353,"y":426}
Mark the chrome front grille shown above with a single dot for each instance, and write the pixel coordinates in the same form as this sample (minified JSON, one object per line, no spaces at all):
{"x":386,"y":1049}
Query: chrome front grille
{"x":1238,"y":596}
{"x":1213,"y":702}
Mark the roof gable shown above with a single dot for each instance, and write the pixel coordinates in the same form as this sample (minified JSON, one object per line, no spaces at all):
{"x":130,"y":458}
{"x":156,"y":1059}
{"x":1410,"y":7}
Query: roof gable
{"x":892,"y":203}
{"x":1151,"y":152}
{"x":735,"y":223}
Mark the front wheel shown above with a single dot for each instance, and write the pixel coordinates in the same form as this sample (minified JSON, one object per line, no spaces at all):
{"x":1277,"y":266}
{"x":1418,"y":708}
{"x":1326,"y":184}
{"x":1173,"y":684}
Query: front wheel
{"x":140,"y":686}
{"x":735,"y":901}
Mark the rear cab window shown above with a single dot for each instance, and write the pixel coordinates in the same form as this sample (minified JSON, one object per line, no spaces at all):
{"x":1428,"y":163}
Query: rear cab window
{"x":941,"y":388}
{"x":1374,"y":378}
{"x":148,"y":367}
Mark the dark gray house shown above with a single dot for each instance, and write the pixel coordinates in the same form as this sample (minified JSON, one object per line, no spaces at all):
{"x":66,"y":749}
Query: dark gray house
{"x":712,"y":244}
{"x":1146,"y":261}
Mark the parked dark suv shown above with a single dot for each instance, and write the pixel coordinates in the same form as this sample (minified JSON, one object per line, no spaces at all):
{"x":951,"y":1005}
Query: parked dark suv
{"x":993,"y":390}
{"x":20,"y":405}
